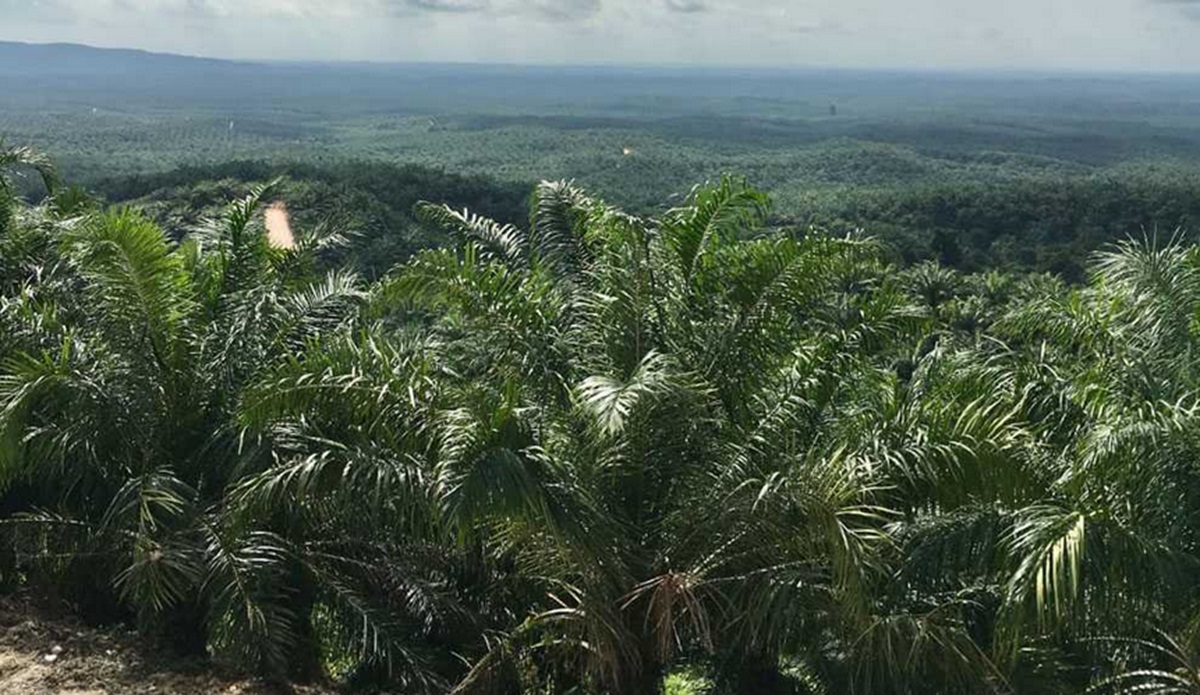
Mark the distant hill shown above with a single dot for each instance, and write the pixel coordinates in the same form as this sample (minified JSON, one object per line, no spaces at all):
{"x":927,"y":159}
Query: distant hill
{"x":18,"y":59}
{"x":782,"y":106}
{"x":45,"y":78}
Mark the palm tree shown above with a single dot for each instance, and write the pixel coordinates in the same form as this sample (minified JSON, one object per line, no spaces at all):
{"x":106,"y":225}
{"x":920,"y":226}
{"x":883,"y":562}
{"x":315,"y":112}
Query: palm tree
{"x":632,"y":413}
{"x":12,"y":158}
{"x":118,"y":407}
{"x":1058,"y":494}
{"x":580,"y":455}
{"x":12,"y":161}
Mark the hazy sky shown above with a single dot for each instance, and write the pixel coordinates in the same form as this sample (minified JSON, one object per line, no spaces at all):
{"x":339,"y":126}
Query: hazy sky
{"x":1018,"y":34}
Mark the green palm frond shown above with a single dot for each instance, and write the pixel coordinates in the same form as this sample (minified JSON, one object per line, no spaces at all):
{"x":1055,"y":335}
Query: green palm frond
{"x":897,"y":652}
{"x":164,"y":573}
{"x":610,"y":401}
{"x":502,"y":242}
{"x":487,"y":466}
{"x":714,"y":214}
{"x":14,"y":157}
{"x":244,"y":582}
{"x":321,"y":308}
{"x":138,"y":282}
{"x":561,"y":216}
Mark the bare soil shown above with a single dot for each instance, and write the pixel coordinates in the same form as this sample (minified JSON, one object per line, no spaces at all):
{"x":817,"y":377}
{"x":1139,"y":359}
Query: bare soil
{"x":279,"y":227}
{"x":42,"y":655}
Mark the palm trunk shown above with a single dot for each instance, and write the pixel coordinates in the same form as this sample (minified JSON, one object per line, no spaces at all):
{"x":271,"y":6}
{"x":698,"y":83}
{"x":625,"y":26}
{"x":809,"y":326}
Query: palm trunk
{"x":304,"y":661}
{"x":185,"y":630}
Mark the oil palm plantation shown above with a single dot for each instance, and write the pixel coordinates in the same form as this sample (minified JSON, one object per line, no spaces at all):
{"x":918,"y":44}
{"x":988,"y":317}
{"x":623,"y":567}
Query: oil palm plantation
{"x":581,"y":455}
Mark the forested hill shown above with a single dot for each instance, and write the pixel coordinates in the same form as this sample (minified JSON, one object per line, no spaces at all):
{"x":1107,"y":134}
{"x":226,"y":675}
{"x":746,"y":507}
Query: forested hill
{"x":40,"y":60}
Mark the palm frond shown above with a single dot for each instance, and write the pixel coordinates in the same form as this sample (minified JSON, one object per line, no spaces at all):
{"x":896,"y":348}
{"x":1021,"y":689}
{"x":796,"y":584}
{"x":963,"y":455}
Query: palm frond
{"x":502,"y":242}
{"x":715,"y":214}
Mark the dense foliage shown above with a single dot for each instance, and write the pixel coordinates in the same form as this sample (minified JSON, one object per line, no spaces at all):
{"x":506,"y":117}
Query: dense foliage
{"x":1043,"y":224}
{"x":373,"y":202}
{"x":603,"y":452}
{"x":1030,"y":223}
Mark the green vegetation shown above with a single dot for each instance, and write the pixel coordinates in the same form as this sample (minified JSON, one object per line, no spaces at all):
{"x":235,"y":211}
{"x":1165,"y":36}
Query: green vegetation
{"x":602,"y":452}
{"x":1028,"y":224}
{"x":373,"y":202}
{"x":1011,"y":172}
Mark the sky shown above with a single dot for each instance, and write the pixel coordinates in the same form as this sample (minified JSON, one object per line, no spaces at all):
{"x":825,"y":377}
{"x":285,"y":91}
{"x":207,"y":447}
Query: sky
{"x":1098,"y":35}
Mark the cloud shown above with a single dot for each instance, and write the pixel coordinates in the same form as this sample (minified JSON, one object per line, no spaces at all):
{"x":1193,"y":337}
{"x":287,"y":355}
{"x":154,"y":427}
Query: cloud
{"x":565,"y":10}
{"x":35,"y":8}
{"x":551,"y":10}
{"x":686,"y":6}
{"x":314,"y":10}
{"x":1189,"y":9}
{"x":448,"y":5}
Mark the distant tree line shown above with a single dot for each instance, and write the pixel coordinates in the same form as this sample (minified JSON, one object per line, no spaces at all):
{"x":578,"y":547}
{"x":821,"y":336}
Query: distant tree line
{"x":1029,"y":224}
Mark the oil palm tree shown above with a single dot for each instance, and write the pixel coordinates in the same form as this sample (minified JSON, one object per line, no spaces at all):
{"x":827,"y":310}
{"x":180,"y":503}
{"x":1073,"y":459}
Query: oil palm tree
{"x":14,"y":161}
{"x":120,"y":442}
{"x":632,"y":413}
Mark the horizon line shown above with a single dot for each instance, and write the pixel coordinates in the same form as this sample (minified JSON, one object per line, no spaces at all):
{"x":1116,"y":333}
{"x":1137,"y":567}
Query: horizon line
{"x":976,"y":71}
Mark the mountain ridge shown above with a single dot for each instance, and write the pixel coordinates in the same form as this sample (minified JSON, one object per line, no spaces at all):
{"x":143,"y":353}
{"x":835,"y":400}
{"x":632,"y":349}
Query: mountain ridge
{"x":17,"y":57}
